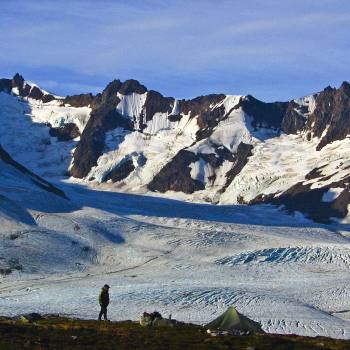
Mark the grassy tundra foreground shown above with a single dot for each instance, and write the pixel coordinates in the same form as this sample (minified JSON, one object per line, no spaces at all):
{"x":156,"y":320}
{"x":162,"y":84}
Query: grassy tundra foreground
{"x":64,"y":333}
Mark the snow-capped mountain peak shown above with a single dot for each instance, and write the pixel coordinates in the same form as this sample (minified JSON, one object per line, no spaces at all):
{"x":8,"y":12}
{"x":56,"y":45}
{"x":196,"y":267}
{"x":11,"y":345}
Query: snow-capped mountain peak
{"x":218,"y":148}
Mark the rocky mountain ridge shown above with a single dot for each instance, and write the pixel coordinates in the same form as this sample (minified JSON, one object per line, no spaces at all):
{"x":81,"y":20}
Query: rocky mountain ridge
{"x":226,"y":149}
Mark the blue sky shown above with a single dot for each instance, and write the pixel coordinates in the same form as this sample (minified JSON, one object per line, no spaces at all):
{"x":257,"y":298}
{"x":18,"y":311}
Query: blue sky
{"x":272,"y":49}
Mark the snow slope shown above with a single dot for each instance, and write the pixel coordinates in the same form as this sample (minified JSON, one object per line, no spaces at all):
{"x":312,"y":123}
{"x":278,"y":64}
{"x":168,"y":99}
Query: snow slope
{"x":25,"y":134}
{"x":286,"y":160}
{"x":185,"y":259}
{"x":190,"y":260}
{"x":223,"y":149}
{"x":25,"y":247}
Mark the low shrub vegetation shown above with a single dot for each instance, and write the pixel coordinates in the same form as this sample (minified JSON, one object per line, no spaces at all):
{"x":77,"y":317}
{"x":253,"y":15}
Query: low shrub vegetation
{"x":64,"y":333}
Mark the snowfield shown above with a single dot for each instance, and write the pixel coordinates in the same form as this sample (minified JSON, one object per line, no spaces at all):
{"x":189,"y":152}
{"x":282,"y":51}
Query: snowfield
{"x":188,"y":260}
{"x":32,"y":145}
{"x":168,"y":251}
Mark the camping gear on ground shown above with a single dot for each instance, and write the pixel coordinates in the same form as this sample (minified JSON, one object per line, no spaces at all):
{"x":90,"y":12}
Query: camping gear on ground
{"x":233,"y":322}
{"x":235,"y":332}
{"x":155,"y":319}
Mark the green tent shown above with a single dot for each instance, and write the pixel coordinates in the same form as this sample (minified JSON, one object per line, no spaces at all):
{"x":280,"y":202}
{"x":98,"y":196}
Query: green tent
{"x":231,"y":319}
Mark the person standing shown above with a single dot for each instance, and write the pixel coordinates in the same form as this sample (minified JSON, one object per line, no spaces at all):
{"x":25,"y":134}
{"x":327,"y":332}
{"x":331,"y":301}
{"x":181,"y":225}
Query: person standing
{"x":103,"y":299}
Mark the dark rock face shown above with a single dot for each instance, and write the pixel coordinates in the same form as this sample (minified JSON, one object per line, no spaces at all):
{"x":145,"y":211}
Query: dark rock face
{"x":19,"y":83}
{"x":212,"y":159}
{"x":36,"y":93}
{"x":92,"y":141}
{"x":132,"y":86}
{"x":264,"y":114}
{"x":174,"y":117}
{"x":301,"y":197}
{"x":314,"y":173}
{"x":208,"y":115}
{"x":87,"y":152}
{"x":340,"y":204}
{"x":157,"y":103}
{"x":65,"y":133}
{"x":82,"y":100}
{"x":333,"y":110}
{"x":200,"y":104}
{"x":309,"y":201}
{"x":293,"y":122}
{"x":4,"y":156}
{"x":25,"y":90}
{"x":323,"y":113}
{"x":48,"y":98}
{"x":244,"y":151}
{"x":208,"y":120}
{"x":122,"y":171}
{"x":104,"y":117}
{"x":176,"y":175}
{"x":216,"y":159}
{"x":224,"y":154}
{"x":111,"y":90}
{"x":331,"y":115}
{"x":330,"y":119}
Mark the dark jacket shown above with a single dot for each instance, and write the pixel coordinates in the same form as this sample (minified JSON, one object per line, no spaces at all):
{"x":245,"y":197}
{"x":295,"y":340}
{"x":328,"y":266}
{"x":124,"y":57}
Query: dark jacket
{"x":104,"y":297}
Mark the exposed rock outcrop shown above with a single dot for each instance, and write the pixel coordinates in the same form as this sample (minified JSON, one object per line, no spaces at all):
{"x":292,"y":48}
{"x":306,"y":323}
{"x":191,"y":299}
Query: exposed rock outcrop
{"x":332,"y":112}
{"x":104,"y":117}
{"x":176,"y":175}
{"x":121,"y":171}
{"x":310,"y":200}
{"x":92,"y":141}
{"x":157,"y":103}
{"x":213,"y":140}
{"x":205,"y":108}
{"x":293,"y":121}
{"x":268,"y":115}
{"x":26,"y":90}
{"x":66,"y":132}
{"x":174,"y":117}
{"x":132,"y":86}
{"x":200,"y":105}
{"x":244,"y":151}
{"x":82,"y":100}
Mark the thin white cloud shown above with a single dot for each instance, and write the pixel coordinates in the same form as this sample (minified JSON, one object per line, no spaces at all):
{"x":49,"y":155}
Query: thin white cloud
{"x":179,"y":40}
{"x":301,"y":21}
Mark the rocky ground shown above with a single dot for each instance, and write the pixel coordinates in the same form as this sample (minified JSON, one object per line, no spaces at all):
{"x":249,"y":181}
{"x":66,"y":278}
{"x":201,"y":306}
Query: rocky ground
{"x":64,"y":333}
